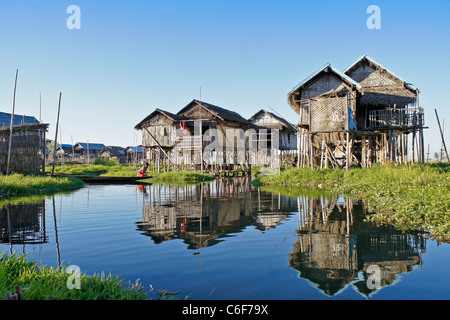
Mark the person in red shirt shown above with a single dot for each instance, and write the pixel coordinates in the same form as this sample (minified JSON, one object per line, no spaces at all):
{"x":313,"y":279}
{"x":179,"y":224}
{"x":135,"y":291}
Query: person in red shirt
{"x":143,"y":171}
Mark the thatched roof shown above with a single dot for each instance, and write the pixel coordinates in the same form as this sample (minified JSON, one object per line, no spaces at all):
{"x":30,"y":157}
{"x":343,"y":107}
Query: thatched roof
{"x":373,"y":82}
{"x":381,"y":86}
{"x":169,"y":115}
{"x":281,"y":125}
{"x":327,"y":68}
{"x":26,"y":127}
{"x":366,"y":59}
{"x":217,"y":112}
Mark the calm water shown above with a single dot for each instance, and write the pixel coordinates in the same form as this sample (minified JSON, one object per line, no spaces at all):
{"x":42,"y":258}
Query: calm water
{"x":234,"y":242}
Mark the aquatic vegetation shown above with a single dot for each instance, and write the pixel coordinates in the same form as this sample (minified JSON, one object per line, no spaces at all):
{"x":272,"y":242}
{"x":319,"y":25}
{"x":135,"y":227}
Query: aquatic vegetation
{"x":112,"y":169}
{"x":47,"y":283}
{"x":101,"y":169}
{"x":408,"y":196}
{"x":180,"y":177}
{"x":23,"y":185}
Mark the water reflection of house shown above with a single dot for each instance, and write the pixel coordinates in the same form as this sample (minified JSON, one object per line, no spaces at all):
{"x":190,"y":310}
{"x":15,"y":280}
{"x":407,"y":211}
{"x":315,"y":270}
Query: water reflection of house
{"x":227,"y":206}
{"x":335,"y":246}
{"x":23,"y":223}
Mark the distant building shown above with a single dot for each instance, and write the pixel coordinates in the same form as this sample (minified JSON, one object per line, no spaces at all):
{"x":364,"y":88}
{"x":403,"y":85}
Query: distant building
{"x":264,"y":122}
{"x":84,"y":148}
{"x":134,"y":154}
{"x":64,"y":150}
{"x":113,"y":152}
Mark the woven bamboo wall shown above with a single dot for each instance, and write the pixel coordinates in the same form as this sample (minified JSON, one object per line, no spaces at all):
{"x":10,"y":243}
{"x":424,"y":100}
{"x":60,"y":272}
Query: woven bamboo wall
{"x":162,"y":129}
{"x":26,"y":155}
{"x":329,"y":114}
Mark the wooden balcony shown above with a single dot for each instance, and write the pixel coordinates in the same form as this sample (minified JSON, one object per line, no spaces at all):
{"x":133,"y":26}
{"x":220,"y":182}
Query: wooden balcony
{"x":401,"y":118}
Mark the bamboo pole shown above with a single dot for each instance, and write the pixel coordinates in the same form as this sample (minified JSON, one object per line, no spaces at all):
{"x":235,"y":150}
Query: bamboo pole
{"x":160,"y":147}
{"x":11,"y":125}
{"x":347,"y":151}
{"x":56,"y":136}
{"x":442,"y":136}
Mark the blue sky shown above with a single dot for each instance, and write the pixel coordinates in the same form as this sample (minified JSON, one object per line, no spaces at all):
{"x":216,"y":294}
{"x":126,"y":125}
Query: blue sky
{"x":130,"y":57}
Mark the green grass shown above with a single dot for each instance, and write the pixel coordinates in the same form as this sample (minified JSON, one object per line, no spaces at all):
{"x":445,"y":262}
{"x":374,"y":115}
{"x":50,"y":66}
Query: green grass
{"x":99,"y":169}
{"x":180,"y":177}
{"x":408,"y":196}
{"x":47,"y":283}
{"x":129,"y":170}
{"x":19,"y":185}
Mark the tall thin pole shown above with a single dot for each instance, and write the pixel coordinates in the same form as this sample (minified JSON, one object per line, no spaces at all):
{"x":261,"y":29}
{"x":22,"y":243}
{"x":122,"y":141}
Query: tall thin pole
{"x":11,"y":125}
{"x":56,"y":136}
{"x":73,"y":152}
{"x":442,"y":136}
{"x":40,"y":107}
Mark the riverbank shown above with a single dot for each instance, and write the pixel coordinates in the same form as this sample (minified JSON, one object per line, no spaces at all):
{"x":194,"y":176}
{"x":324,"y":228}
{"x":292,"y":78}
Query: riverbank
{"x":180,"y":177}
{"x":129,"y":170}
{"x":19,"y":185}
{"x":409,"y":197}
{"x":47,"y":283}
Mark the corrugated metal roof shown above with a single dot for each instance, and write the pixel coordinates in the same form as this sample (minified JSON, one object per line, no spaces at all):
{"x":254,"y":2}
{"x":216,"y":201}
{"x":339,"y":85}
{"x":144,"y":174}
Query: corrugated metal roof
{"x":5,"y":119}
{"x":92,"y":146}
{"x":139,"y":149}
{"x":115,"y":151}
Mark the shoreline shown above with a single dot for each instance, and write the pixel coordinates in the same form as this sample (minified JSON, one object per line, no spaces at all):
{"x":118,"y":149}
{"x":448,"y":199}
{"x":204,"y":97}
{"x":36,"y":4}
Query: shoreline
{"x":409,"y":197}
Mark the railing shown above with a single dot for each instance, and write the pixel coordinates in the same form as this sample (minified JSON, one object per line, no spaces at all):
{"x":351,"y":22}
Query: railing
{"x":190,"y":142}
{"x":396,"y":118}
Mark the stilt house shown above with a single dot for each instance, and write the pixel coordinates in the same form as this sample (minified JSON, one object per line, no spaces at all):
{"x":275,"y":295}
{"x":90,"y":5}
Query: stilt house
{"x":263,"y":122}
{"x":360,"y":116}
{"x":182,"y":139}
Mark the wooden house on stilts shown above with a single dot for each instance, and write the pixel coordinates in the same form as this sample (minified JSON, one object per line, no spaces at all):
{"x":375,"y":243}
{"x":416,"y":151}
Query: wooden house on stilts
{"x":196,"y":138}
{"x":263,"y":123}
{"x":360,"y":116}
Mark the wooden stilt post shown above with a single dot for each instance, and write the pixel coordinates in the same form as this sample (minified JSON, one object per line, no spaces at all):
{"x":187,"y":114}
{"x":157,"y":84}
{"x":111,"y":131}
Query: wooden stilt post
{"x":11,"y":126}
{"x":56,"y":136}
{"x":442,"y":136}
{"x":348,"y":155}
